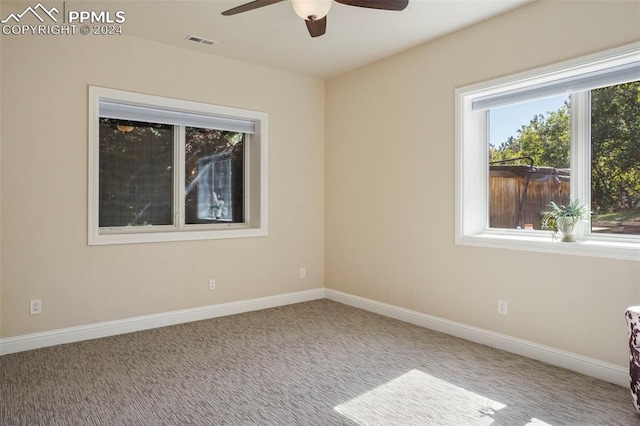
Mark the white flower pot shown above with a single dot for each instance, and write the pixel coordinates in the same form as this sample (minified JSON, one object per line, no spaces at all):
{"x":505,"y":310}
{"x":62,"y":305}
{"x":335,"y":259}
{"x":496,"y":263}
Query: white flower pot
{"x":566,"y":226}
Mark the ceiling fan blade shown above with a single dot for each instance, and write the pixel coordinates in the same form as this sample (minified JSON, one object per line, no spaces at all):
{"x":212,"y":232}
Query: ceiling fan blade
{"x":317,"y":27}
{"x":250,"y":6}
{"x":377,"y":4}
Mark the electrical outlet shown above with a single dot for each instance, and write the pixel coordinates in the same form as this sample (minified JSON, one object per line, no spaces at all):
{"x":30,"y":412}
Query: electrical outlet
{"x":502,"y":307}
{"x":303,"y":273}
{"x":212,"y":284}
{"x":35,"y":306}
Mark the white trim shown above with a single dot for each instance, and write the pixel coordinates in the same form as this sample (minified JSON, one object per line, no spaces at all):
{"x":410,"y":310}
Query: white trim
{"x":543,"y":242}
{"x":179,"y":176}
{"x":146,"y":322}
{"x":589,"y":366}
{"x":580,"y":149}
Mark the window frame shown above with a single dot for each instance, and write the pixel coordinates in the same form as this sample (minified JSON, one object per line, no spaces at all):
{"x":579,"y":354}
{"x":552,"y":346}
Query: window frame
{"x":255,"y":169}
{"x":472,"y":158}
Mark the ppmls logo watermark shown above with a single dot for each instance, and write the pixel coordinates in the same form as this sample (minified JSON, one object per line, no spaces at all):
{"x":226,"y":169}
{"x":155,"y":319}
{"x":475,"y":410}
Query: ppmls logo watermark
{"x":68,"y":22}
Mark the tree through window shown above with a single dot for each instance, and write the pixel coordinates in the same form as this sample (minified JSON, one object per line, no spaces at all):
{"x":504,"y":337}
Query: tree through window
{"x":519,"y":193}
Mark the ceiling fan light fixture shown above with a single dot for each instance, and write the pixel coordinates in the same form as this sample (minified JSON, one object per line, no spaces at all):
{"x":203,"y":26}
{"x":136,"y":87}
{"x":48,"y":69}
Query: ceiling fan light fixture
{"x":311,"y":9}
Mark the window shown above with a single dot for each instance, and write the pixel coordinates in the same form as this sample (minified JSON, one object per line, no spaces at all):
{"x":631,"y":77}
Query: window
{"x":166,"y":170}
{"x":569,"y":131}
{"x":529,"y":160}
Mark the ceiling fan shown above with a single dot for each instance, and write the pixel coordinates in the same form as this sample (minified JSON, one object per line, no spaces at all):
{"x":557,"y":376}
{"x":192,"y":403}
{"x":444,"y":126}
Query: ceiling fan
{"x":314,"y":12}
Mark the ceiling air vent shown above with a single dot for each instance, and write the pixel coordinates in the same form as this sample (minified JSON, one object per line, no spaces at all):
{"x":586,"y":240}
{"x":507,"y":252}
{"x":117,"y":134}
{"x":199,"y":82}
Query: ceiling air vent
{"x":197,"y":39}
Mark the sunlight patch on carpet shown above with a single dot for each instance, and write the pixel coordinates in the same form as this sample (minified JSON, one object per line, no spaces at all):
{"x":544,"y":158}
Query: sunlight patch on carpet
{"x":537,"y":422}
{"x":416,"y":398}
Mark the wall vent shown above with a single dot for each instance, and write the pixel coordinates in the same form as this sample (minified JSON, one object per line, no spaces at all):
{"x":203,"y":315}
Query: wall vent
{"x":201,"y":40}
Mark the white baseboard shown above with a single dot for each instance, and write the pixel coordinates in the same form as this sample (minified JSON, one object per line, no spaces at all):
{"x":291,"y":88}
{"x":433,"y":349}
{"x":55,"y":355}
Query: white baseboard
{"x":111,"y":328}
{"x":588,"y":366}
{"x":591,"y":367}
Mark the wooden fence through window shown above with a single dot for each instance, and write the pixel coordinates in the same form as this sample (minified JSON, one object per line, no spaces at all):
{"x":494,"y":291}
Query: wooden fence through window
{"x":517,"y":194}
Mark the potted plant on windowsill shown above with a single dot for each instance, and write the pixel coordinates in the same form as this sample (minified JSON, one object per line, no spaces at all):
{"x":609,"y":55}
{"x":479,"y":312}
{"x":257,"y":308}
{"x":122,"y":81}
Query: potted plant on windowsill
{"x":217,"y":209}
{"x":563,"y":218}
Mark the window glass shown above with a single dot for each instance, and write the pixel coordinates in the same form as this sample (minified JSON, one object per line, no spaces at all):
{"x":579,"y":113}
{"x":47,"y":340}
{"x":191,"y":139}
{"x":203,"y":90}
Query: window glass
{"x":615,"y":159}
{"x":529,"y":160}
{"x":136,"y":173}
{"x":214,"y":176}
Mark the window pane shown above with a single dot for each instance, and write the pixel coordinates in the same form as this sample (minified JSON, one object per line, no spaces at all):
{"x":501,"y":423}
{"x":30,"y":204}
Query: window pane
{"x":136,"y":173}
{"x":615,"y":159}
{"x":214,"y":174}
{"x":529,"y":161}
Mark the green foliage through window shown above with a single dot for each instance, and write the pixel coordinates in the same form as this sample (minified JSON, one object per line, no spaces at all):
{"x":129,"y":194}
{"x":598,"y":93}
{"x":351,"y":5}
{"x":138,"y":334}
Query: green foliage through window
{"x":615,"y":147}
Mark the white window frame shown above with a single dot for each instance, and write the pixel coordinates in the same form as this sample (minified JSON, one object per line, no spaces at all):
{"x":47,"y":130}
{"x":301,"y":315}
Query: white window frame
{"x":472,"y":158}
{"x":256,"y":174}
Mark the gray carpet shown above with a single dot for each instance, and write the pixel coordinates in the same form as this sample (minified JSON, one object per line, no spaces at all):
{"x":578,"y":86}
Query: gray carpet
{"x":314,"y":363}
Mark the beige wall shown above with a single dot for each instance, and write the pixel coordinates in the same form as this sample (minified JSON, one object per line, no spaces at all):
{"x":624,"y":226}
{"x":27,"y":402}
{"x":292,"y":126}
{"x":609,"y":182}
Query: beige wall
{"x":390,"y":187}
{"x":44,"y":185}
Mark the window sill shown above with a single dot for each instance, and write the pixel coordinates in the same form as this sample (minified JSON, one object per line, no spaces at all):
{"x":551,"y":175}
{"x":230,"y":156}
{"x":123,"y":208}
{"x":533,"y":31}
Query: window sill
{"x":157,"y":237}
{"x":543,"y":243}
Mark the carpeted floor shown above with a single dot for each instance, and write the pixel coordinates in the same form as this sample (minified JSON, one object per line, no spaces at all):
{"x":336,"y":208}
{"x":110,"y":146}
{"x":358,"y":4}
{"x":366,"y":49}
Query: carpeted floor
{"x":314,"y":363}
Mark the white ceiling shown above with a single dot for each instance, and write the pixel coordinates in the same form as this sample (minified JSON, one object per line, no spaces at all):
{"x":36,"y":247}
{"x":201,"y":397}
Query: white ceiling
{"x":274,"y":36}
